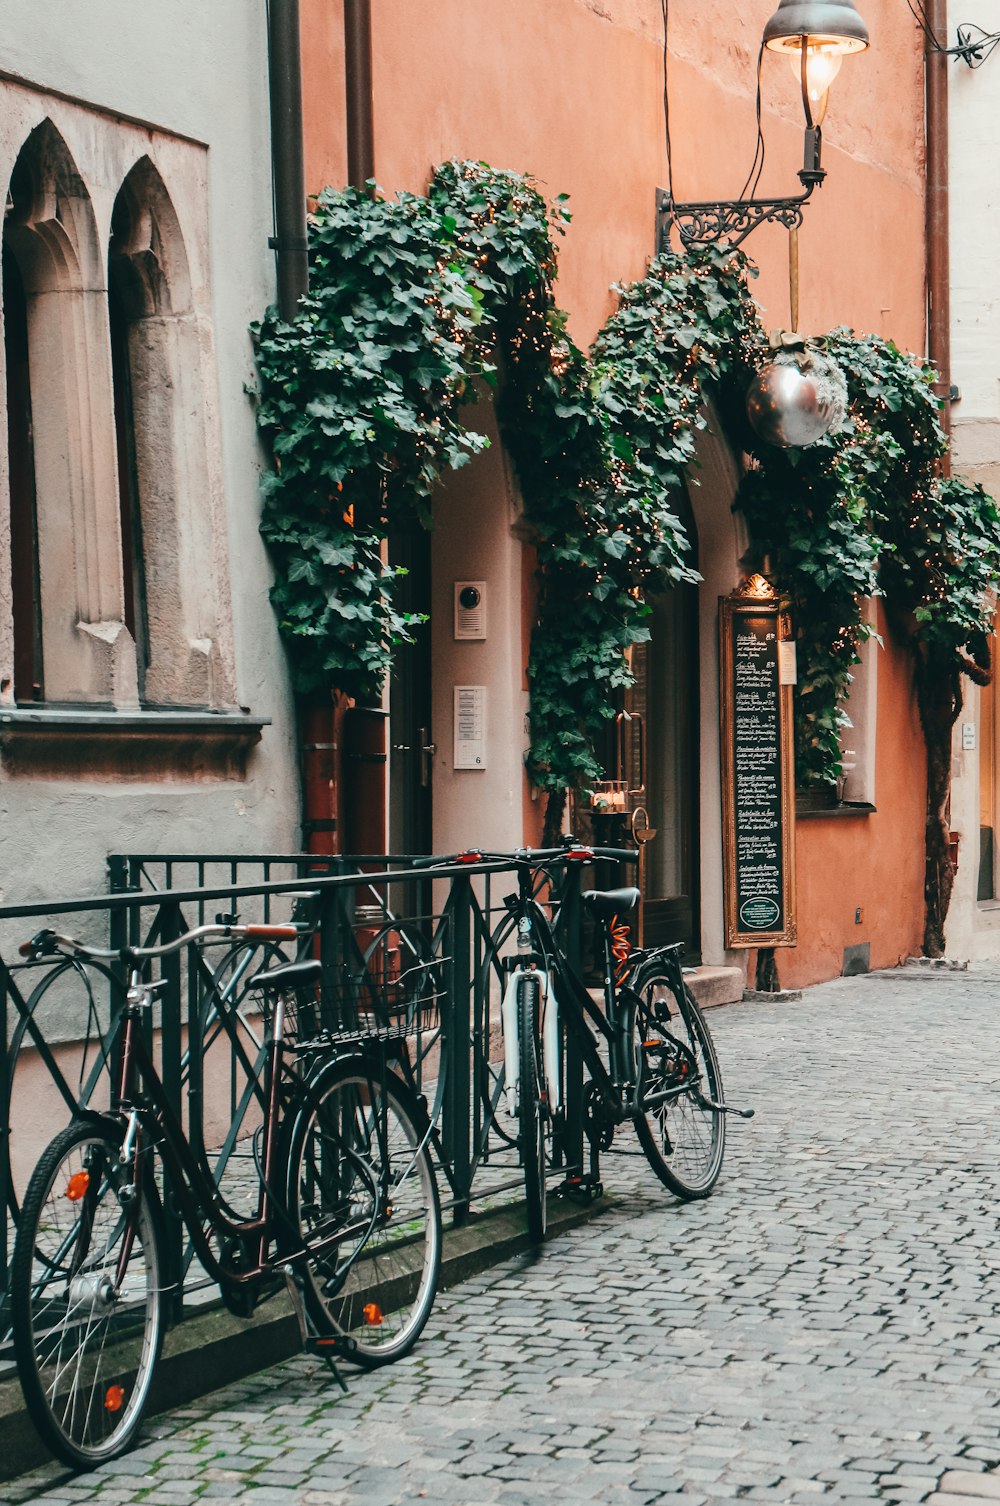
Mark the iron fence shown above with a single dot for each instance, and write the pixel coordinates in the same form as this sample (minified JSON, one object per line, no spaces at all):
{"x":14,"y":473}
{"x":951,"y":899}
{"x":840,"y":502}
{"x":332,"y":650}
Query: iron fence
{"x":428,"y":945}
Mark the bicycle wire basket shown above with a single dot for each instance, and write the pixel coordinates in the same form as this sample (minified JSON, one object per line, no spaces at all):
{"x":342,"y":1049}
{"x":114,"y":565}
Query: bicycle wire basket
{"x":379,"y":998}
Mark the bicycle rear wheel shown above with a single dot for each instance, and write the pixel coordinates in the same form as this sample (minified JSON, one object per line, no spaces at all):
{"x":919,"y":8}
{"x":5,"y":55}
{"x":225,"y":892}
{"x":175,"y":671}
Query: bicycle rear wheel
{"x":533,"y":1103}
{"x":682,"y":1134}
{"x":363,"y":1200}
{"x":86,"y":1338}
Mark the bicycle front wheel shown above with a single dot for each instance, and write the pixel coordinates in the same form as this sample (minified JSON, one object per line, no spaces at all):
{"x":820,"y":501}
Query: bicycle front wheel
{"x":363,"y":1201}
{"x":85,"y":1296}
{"x":533,"y":1104}
{"x":680,"y":1130}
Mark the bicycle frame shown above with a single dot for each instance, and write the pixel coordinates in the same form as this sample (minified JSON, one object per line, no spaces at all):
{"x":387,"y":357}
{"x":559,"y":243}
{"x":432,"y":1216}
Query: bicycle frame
{"x":617,"y":1082}
{"x":141,"y":1100}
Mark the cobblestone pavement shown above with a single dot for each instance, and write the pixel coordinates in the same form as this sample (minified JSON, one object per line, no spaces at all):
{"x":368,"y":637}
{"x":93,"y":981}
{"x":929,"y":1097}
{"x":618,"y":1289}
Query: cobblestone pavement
{"x":824,"y":1328}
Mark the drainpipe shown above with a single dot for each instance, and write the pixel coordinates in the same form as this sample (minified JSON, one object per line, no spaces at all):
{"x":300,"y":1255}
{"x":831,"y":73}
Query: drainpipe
{"x":359,"y":91}
{"x":936,"y":689}
{"x":365,"y":767}
{"x":938,"y":267}
{"x":319,"y":716}
{"x":289,"y":239}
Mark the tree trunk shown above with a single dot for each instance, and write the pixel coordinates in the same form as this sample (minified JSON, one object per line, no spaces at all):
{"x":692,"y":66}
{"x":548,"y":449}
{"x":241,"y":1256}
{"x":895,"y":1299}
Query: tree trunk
{"x":555,"y":807}
{"x":939,"y":699}
{"x":766,"y":981}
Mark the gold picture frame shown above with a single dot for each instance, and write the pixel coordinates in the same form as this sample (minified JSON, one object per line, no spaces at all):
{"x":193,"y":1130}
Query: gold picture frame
{"x":758,"y":773}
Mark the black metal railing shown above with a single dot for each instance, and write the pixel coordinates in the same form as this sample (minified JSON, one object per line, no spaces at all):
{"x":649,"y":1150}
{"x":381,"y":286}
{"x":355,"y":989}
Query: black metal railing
{"x":426,"y":945}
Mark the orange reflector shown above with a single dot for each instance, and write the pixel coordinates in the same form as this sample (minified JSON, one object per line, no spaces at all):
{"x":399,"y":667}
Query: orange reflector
{"x":372,"y":1314}
{"x":77,"y":1185}
{"x":113,"y":1398}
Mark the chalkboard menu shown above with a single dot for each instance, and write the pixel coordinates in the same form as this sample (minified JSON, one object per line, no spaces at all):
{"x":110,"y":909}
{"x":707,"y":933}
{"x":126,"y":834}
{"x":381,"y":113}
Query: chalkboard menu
{"x":757,"y":776}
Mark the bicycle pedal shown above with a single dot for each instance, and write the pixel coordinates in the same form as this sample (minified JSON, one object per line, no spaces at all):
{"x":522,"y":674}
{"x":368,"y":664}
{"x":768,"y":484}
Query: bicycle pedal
{"x":583,"y":1189}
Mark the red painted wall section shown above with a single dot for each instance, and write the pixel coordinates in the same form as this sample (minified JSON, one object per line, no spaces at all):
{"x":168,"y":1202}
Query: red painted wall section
{"x":323,"y":120}
{"x":571,"y":91}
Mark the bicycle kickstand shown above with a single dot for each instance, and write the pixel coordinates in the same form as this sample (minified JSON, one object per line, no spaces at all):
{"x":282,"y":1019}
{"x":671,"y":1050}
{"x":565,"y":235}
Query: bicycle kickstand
{"x":313,"y":1342}
{"x":725,"y":1108}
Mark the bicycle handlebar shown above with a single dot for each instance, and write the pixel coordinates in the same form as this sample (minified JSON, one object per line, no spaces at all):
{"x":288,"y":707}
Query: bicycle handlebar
{"x":51,"y":943}
{"x":577,"y":852}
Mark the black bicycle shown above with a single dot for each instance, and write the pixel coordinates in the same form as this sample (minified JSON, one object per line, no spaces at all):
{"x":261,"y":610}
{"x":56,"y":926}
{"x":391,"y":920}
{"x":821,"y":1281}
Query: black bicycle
{"x":345,"y":1214}
{"x":647,"y":1048}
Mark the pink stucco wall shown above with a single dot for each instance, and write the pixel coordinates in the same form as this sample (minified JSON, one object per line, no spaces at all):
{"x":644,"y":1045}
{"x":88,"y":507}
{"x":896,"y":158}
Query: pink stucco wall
{"x":571,"y":91}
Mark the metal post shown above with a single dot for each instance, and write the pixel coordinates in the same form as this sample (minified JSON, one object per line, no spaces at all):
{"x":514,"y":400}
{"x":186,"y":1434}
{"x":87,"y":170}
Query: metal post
{"x":571,"y":919}
{"x":456,"y":1129}
{"x":170,"y":1046}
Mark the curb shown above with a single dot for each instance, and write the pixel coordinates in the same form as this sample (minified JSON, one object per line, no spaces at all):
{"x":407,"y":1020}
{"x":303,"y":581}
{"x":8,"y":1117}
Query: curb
{"x":212,"y":1348}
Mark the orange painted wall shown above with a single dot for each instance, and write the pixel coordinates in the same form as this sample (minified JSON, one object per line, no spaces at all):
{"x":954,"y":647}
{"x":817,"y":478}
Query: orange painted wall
{"x":874,"y":862}
{"x":571,"y":91}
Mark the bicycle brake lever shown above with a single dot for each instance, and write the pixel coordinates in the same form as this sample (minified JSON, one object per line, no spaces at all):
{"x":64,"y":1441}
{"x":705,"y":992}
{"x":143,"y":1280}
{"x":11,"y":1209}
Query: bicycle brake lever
{"x":42,"y":944}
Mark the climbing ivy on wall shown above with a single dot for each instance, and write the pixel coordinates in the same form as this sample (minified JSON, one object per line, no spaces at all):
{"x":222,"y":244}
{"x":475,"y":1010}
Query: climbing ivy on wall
{"x":415,"y":303}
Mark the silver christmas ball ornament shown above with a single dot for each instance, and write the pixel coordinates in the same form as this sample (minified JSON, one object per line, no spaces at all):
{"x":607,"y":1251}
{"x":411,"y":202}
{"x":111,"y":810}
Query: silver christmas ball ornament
{"x":797,"y":398}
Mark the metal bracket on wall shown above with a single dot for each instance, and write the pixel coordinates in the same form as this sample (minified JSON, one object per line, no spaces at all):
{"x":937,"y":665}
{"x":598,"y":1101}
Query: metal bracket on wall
{"x":732,"y":220}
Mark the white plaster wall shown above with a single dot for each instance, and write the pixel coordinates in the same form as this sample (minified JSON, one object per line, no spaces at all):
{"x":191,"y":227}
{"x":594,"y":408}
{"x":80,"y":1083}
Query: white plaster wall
{"x":474,"y":513}
{"x":974,"y":162}
{"x":196,"y":70}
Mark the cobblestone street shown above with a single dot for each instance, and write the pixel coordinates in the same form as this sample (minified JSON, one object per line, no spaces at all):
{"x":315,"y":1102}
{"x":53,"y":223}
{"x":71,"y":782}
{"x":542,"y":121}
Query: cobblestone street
{"x":825,"y":1327}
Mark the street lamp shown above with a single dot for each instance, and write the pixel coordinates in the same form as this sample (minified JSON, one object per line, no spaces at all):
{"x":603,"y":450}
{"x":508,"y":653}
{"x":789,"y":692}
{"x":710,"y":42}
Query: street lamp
{"x":815,"y":36}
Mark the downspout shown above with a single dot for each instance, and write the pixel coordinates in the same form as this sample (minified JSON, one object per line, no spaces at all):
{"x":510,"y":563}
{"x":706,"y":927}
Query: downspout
{"x":317,"y":714}
{"x":359,"y":91}
{"x":938,"y":260}
{"x":363,"y":729}
{"x":938,"y":684}
{"x":285,"y":72}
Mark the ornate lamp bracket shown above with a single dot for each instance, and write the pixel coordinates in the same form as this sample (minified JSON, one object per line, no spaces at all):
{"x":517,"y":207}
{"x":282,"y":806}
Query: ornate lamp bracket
{"x":732,"y":220}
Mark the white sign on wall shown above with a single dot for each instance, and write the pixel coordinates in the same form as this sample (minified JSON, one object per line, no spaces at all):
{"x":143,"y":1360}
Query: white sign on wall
{"x":470,"y":727}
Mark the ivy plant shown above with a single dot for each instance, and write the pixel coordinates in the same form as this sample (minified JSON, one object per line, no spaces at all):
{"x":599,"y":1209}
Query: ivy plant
{"x":360,"y":400}
{"x":415,"y":302}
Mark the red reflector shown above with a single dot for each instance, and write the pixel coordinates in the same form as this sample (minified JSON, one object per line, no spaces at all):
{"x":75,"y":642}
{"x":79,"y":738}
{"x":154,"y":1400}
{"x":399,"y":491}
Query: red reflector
{"x":372,"y":1314}
{"x":114,"y":1396}
{"x":77,"y":1185}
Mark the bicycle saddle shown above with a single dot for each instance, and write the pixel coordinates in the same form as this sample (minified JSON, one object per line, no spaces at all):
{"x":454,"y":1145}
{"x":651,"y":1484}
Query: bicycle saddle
{"x":608,"y":903}
{"x":292,"y":975}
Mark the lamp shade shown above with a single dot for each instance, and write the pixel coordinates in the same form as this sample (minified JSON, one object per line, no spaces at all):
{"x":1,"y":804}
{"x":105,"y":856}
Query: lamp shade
{"x":834,"y":24}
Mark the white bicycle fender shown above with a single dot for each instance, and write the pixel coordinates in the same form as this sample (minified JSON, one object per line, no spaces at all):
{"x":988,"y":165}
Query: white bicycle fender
{"x":550,"y":1043}
{"x":511,"y":1062}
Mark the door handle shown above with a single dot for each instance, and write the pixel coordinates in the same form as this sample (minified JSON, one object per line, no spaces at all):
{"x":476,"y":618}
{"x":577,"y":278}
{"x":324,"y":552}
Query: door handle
{"x":401,"y":748}
{"x":427,"y":751}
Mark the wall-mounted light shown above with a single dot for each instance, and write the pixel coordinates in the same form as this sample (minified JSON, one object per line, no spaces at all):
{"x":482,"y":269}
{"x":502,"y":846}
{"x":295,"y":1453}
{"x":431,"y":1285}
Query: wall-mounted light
{"x":815,"y":36}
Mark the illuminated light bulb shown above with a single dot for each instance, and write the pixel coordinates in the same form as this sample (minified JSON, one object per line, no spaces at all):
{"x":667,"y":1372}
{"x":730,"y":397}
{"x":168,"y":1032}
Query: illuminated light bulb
{"x":822,"y":66}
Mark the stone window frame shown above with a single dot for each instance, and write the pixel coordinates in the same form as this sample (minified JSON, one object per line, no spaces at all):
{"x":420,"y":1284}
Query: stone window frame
{"x":84,"y":162}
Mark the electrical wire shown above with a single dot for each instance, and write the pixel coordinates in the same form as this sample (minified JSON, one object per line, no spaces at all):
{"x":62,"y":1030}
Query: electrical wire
{"x":757,"y":166}
{"x":666,"y":103}
{"x":919,"y":15}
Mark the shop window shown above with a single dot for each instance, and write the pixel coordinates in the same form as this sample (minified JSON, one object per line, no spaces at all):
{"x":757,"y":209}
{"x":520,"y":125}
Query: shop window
{"x":857,"y":741}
